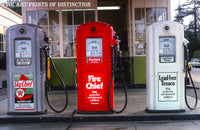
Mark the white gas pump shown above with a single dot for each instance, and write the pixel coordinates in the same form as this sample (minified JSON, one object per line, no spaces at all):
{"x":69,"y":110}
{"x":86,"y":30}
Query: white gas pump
{"x":165,"y":67}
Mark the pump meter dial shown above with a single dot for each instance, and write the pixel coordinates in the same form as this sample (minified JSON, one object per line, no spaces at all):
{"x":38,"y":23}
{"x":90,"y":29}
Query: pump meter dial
{"x":23,"y":49}
{"x":23,"y":52}
{"x":94,"y":47}
{"x":94,"y":50}
{"x":167,"y":49}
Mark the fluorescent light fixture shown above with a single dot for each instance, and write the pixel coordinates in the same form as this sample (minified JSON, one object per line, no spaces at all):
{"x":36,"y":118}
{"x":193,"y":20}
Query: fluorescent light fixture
{"x":98,"y":8}
{"x":108,"y":8}
{"x":82,"y":9}
{"x":66,"y":10}
{"x":76,"y":10}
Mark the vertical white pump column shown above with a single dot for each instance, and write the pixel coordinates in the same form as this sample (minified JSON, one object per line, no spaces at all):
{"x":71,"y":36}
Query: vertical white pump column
{"x":165,"y":67}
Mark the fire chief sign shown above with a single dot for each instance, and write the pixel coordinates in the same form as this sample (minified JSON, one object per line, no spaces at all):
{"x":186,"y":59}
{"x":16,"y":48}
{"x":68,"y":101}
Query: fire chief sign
{"x":23,"y":90}
{"x":94,"y":87}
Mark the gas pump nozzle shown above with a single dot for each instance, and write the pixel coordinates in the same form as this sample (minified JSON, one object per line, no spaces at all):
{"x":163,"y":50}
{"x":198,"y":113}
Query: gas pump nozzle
{"x":47,"y":49}
{"x":47,"y":46}
{"x":187,"y":72}
{"x":116,"y":37}
{"x":117,"y":53}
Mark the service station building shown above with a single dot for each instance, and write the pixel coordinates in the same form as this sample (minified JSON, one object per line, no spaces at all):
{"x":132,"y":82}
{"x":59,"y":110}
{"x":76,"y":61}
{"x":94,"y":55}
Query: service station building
{"x":129,"y":18}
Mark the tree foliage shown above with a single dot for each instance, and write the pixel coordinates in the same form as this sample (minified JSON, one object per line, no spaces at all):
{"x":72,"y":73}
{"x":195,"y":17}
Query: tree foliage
{"x":192,"y":30}
{"x":197,"y":54}
{"x":14,"y":5}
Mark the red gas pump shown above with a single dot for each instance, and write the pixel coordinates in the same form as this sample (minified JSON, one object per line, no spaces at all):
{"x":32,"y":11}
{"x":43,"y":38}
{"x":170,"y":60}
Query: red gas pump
{"x":94,"y":64}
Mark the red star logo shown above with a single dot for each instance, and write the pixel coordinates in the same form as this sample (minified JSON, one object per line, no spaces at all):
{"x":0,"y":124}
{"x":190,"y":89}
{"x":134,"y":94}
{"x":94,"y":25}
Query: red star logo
{"x":20,"y":93}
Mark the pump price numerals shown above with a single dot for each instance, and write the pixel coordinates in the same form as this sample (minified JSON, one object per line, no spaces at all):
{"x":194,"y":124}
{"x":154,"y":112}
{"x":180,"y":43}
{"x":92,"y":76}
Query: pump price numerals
{"x":167,"y":49}
{"x":94,"y":47}
{"x":23,"y":49}
{"x":23,"y":52}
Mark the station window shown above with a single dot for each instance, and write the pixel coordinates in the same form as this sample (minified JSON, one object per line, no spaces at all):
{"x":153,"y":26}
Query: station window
{"x":71,"y":20}
{"x":2,"y":42}
{"x":139,"y":31}
{"x":67,"y":17}
{"x":78,"y":17}
{"x":141,"y":21}
{"x":68,"y":39}
{"x":139,"y":15}
{"x":51,"y":21}
{"x":89,"y":16}
{"x":42,"y":18}
{"x":150,"y":15}
{"x":54,"y":32}
{"x":31,"y":17}
{"x":161,"y":14}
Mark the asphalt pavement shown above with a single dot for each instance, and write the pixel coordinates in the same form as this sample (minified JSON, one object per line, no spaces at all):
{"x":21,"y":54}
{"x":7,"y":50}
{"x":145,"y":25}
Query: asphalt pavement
{"x":195,"y":74}
{"x":147,"y":125}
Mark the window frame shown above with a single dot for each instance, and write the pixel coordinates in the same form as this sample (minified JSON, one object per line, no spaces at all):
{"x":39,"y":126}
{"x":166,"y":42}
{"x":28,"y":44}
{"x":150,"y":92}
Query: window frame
{"x":61,"y":39}
{"x":137,"y":41}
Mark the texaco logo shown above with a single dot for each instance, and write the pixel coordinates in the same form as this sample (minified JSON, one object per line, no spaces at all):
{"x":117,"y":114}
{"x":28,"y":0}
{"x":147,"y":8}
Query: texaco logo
{"x":20,"y":93}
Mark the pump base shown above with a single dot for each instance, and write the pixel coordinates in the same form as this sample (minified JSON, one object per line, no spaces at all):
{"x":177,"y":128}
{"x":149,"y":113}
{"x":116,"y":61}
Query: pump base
{"x":165,"y":111}
{"x":95,"y":112}
{"x":27,"y":113}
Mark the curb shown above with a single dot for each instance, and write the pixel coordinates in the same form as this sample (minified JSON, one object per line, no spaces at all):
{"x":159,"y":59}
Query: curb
{"x":98,"y":118}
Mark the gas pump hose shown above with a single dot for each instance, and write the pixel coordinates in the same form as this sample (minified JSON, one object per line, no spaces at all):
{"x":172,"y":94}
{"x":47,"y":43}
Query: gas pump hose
{"x":62,"y":82}
{"x":194,"y":88}
{"x":110,"y":84}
